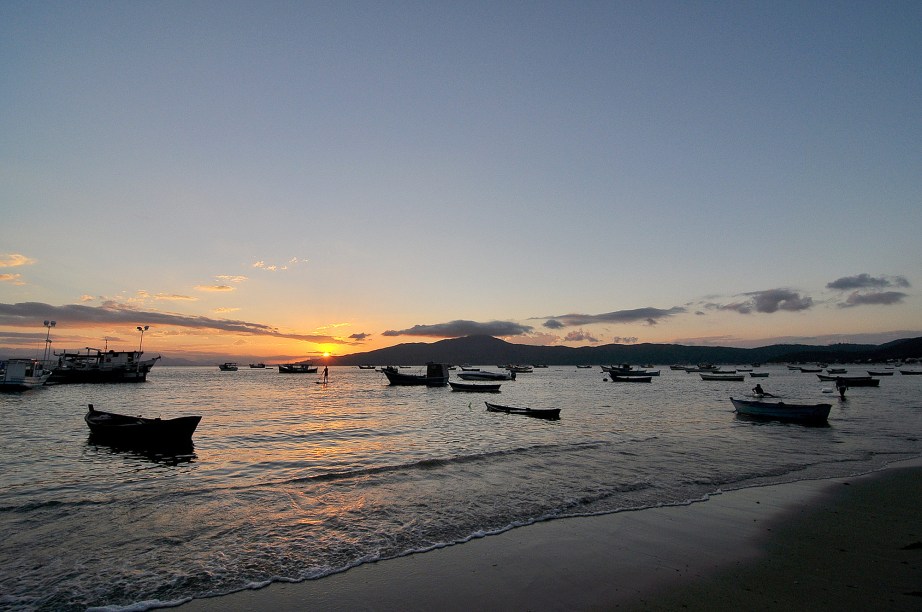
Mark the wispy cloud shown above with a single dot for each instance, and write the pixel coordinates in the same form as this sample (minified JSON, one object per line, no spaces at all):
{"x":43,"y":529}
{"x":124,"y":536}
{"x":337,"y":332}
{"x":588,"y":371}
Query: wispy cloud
{"x":625,"y":339}
{"x":649,"y":315}
{"x":272,"y":267}
{"x":866,"y":281}
{"x":231,"y":279}
{"x":214,"y":288}
{"x":26,"y":314}
{"x":15,"y":279}
{"x":361,"y":337}
{"x":175,"y":297}
{"x":580,"y":336}
{"x":459,"y":328}
{"x":224,"y":310}
{"x":14,"y":260}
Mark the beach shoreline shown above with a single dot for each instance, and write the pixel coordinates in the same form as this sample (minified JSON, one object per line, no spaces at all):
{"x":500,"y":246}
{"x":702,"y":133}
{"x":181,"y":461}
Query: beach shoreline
{"x":837,"y":544}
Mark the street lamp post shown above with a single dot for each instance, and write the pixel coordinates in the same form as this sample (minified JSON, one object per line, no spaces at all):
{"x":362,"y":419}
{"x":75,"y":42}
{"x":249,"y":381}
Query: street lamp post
{"x":49,"y":325}
{"x":142,"y":330}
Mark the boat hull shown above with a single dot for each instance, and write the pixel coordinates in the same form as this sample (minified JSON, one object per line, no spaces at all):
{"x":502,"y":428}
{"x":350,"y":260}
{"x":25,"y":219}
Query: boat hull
{"x":139,"y":432}
{"x":538,"y":413}
{"x":634,"y":379}
{"x":852,"y":381}
{"x":781,"y":411}
{"x":475,"y":387}
{"x":436,"y":376}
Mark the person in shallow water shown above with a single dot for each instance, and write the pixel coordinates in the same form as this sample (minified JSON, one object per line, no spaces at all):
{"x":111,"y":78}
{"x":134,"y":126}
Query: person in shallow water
{"x":758,"y":390}
{"x":326,"y":374}
{"x":841,"y":387}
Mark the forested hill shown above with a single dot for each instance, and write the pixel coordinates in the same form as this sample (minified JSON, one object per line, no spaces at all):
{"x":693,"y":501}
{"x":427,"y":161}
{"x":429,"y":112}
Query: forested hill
{"x":489,"y":350}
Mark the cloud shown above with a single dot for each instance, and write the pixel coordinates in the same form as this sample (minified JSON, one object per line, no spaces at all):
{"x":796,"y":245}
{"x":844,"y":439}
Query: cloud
{"x":231,"y":279}
{"x":175,"y":297}
{"x":217,"y":288}
{"x":866,"y":281}
{"x":625,"y":340}
{"x":579,"y":336}
{"x":457,"y":329}
{"x":262,"y":265}
{"x":769,"y":301}
{"x":27,"y":314}
{"x":648,"y":315}
{"x":223,"y":310}
{"x":881,"y":298}
{"x":11,"y":278}
{"x":359,"y":337}
{"x":14,"y":260}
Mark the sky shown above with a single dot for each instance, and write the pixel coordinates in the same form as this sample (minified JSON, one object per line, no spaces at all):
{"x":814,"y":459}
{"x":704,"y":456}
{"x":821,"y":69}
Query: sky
{"x":300,"y":178}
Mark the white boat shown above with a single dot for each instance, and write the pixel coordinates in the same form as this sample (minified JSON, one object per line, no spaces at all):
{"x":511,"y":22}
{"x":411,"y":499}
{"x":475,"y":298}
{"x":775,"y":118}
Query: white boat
{"x":101,"y":366}
{"x":22,"y":374}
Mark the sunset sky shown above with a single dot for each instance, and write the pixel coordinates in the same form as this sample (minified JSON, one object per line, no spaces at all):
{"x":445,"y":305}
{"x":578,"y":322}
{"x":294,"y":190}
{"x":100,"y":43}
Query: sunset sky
{"x":292,"y":178}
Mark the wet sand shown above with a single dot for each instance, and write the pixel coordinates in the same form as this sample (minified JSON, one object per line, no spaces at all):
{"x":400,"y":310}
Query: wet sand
{"x":843,"y":544}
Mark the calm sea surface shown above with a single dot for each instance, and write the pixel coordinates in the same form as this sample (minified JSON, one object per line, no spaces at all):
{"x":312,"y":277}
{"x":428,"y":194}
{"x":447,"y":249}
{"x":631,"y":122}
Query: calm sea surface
{"x":291,"y":480}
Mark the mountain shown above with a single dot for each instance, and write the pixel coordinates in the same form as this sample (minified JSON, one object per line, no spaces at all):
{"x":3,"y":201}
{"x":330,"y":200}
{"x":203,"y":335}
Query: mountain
{"x":489,"y":350}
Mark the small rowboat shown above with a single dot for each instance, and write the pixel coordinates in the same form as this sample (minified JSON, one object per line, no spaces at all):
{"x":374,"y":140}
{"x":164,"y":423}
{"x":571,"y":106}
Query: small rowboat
{"x":113,"y":428}
{"x":483,"y":387}
{"x":539,"y":413}
{"x":852,"y":381}
{"x":640,"y":379}
{"x":725,"y":377}
{"x":781,"y":411}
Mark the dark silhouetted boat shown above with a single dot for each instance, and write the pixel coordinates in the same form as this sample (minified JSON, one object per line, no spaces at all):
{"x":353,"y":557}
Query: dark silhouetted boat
{"x":637,"y":379}
{"x":297,"y":368}
{"x":482,"y":387}
{"x":782,"y":411}
{"x":136,"y":431}
{"x":538,"y":413}
{"x":436,"y":376}
{"x":852,"y":381}
{"x":228,"y":366}
{"x":100,"y":366}
{"x":486,"y":375}
{"x":724,"y":377}
{"x":910,"y":372}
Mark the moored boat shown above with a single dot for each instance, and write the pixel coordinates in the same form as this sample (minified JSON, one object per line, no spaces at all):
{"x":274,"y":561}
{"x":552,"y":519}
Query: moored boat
{"x":101,"y":366}
{"x":436,"y":375}
{"x":880,"y":372}
{"x":637,"y":379}
{"x":487,"y":375}
{"x":910,"y":372}
{"x":852,"y":381}
{"x":759,"y":374}
{"x":228,"y":366}
{"x":257,"y":366}
{"x":782,"y":411}
{"x":723,"y":377}
{"x":476,"y":387}
{"x":136,"y":431}
{"x":22,"y":374}
{"x":302,"y":367}
{"x":538,"y":413}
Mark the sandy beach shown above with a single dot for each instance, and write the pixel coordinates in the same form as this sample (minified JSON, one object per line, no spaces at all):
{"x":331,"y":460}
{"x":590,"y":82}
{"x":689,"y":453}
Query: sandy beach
{"x":850,"y":543}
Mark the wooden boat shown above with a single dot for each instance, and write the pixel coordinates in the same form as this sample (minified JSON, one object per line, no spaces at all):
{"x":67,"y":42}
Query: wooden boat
{"x":366,"y":367}
{"x":637,"y":379}
{"x":628,"y":370}
{"x":487,"y":375}
{"x":910,"y":372}
{"x":228,"y":366}
{"x":759,"y":374}
{"x":297,"y":368}
{"x":836,"y":371}
{"x":520,"y":369}
{"x":22,"y":374}
{"x":101,"y":366}
{"x":482,"y":387}
{"x":810,"y":370}
{"x":538,"y":413}
{"x":880,"y":373}
{"x":436,"y":376}
{"x":258,"y":366}
{"x":583,"y":367}
{"x":723,"y":377}
{"x":852,"y":381}
{"x":136,"y":431}
{"x":782,"y":411}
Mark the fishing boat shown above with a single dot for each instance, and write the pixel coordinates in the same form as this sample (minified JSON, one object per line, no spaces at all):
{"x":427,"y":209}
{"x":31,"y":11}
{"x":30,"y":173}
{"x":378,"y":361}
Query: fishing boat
{"x":782,"y":411}
{"x":481,"y":387}
{"x":628,"y":370}
{"x":101,"y":366}
{"x":302,"y":367}
{"x":487,"y":375}
{"x":538,"y":413}
{"x":723,"y":377}
{"x":228,"y":366}
{"x":852,"y":381}
{"x":22,"y":374}
{"x":257,"y":366}
{"x":366,"y":366}
{"x":880,"y":373}
{"x":436,"y":375}
{"x":136,"y":431}
{"x":910,"y":372}
{"x":759,"y":374}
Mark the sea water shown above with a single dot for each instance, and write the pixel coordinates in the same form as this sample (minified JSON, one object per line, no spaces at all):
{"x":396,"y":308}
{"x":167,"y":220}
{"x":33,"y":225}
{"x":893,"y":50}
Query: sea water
{"x":292,"y":480}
